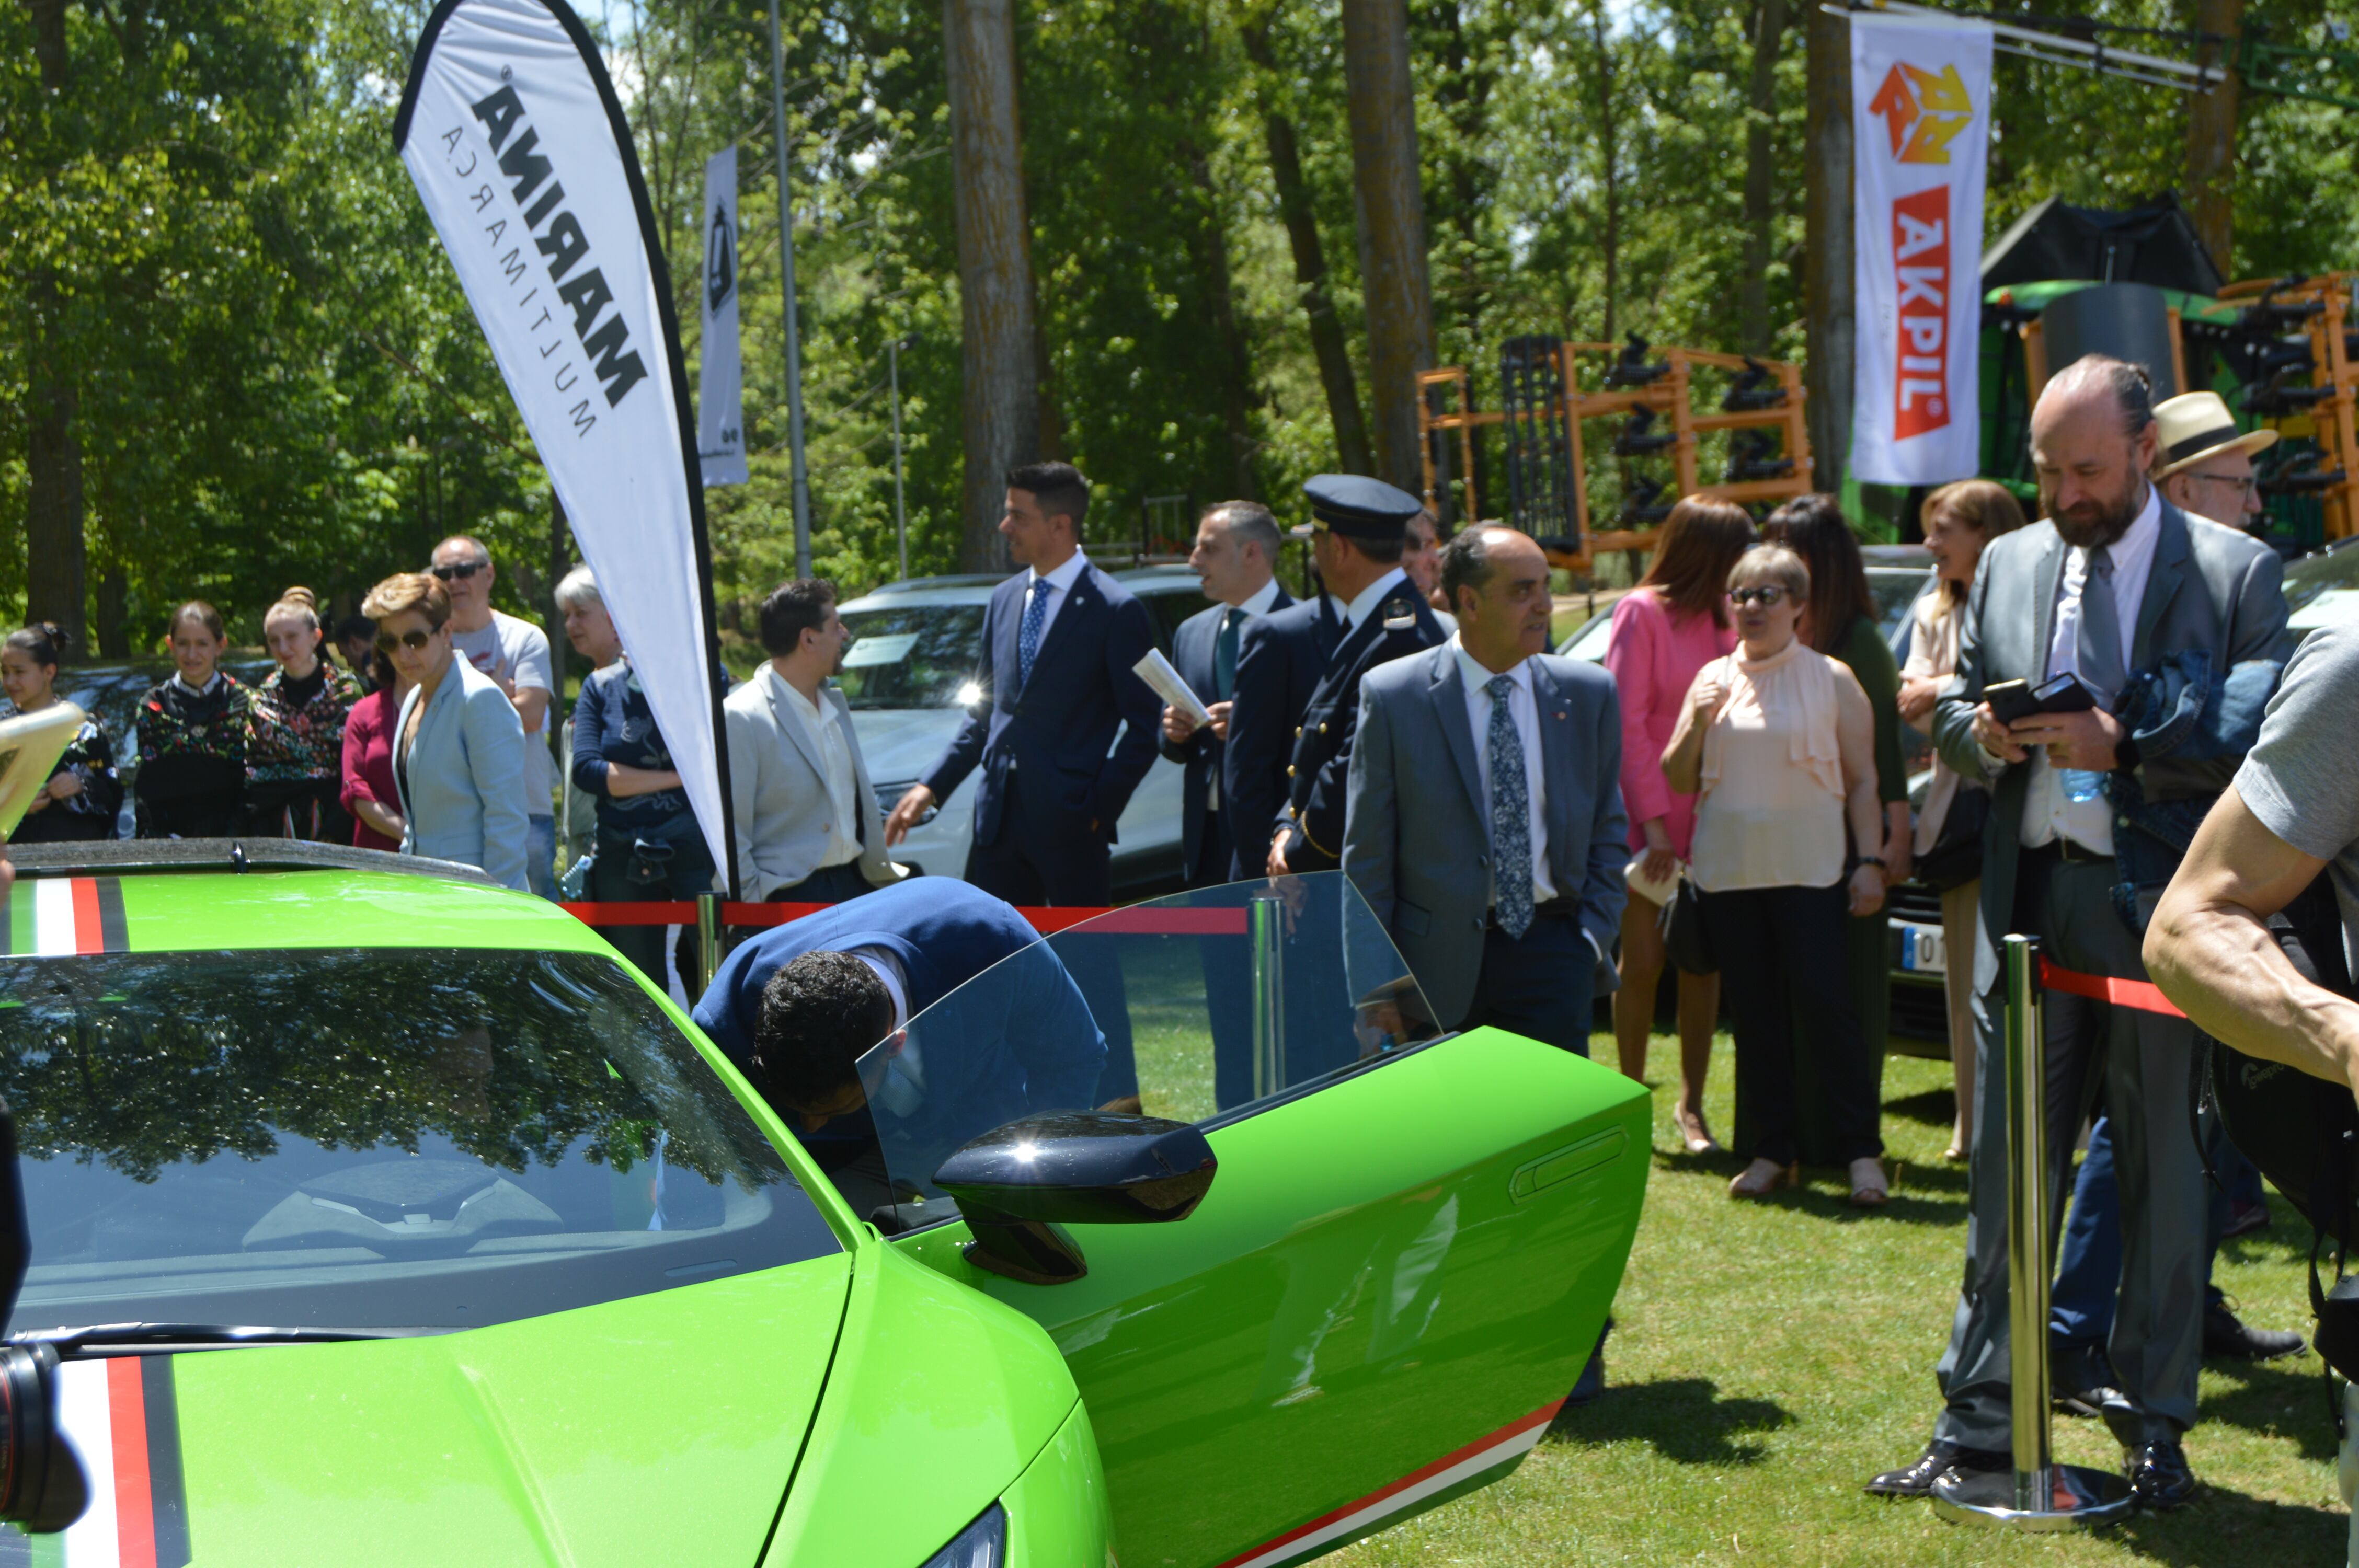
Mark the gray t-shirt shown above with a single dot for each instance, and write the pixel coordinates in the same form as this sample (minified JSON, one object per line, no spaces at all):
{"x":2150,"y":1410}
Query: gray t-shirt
{"x":517,"y":651}
{"x":2301,"y":779}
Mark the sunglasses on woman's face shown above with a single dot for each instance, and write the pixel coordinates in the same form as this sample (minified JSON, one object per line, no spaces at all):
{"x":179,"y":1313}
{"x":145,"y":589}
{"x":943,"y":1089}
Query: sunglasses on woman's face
{"x":413,"y":641}
{"x":1765,"y":597}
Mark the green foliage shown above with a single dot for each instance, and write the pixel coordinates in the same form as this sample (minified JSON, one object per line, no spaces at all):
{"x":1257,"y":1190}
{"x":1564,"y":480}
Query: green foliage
{"x":279,"y":382}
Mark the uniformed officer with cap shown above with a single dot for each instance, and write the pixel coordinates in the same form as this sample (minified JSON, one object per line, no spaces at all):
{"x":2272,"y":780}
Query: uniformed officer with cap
{"x":1372,"y":613}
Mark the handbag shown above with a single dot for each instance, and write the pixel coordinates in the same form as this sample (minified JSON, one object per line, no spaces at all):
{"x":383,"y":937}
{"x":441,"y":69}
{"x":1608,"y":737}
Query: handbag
{"x":1956,"y":855}
{"x":1684,"y":938}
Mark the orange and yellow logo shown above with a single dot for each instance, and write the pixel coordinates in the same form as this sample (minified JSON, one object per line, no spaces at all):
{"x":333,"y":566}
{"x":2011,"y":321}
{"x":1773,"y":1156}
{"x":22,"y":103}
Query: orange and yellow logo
{"x":1922,"y":113}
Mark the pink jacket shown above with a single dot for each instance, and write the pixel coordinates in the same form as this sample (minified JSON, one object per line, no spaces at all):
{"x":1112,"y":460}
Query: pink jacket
{"x":1654,"y":659}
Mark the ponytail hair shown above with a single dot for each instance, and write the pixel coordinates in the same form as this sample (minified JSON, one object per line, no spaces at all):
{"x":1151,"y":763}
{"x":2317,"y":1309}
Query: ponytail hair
{"x":45,"y":640}
{"x":299,"y":601}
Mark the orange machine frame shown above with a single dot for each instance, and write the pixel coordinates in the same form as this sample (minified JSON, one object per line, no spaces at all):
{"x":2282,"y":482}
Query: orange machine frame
{"x":2334,"y":419}
{"x":1670,"y":395}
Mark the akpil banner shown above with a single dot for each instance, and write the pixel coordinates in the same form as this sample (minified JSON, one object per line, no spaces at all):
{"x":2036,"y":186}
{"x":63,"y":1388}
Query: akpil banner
{"x":518,"y":147}
{"x":1920,"y":126}
{"x":720,"y":381}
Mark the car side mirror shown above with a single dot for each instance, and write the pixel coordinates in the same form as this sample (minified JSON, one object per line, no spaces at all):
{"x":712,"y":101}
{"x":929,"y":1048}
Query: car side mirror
{"x":42,"y":1488}
{"x":1019,"y":1185}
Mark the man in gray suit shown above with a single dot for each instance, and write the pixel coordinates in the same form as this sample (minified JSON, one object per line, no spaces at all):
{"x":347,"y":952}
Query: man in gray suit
{"x":2177,"y":626}
{"x":809,"y":830}
{"x":1483,"y":821}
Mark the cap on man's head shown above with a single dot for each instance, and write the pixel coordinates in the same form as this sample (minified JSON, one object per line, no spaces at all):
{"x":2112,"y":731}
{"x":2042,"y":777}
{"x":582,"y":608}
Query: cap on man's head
{"x":2198,"y":425}
{"x":1357,"y":507}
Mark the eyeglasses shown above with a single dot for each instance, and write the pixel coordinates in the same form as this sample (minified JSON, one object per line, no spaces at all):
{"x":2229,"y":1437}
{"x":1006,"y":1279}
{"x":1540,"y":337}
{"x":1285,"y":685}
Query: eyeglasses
{"x":2243,"y":487}
{"x":462,"y":573}
{"x":1766,"y":597}
{"x":413,"y":641}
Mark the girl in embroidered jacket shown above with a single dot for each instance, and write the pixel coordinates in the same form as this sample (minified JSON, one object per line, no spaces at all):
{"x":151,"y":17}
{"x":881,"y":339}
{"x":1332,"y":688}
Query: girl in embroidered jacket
{"x":295,"y":732}
{"x":191,"y":779}
{"x":84,"y":794}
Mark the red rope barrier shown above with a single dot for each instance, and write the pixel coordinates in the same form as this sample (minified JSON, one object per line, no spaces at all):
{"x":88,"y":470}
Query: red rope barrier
{"x":1045,"y":920}
{"x":2143,"y":995}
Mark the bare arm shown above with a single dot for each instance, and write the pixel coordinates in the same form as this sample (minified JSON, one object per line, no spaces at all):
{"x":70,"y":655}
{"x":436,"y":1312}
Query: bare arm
{"x":531,"y":706}
{"x":623,"y":780}
{"x":1683,"y":758}
{"x":380,"y":818}
{"x":1856,"y":738}
{"x":2209,"y":949}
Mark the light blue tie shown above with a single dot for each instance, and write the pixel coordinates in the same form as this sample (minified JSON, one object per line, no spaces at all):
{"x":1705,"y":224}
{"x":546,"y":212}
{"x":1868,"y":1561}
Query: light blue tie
{"x":1511,"y":832}
{"x":1036,"y":619}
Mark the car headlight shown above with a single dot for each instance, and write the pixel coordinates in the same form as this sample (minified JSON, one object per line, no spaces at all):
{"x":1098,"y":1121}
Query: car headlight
{"x":982,"y":1544}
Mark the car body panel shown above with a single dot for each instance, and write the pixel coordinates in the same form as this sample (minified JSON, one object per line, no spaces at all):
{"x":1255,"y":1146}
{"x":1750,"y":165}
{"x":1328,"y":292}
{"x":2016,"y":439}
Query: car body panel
{"x":1057,"y":1515}
{"x":937,"y":1399}
{"x":1395,"y":1278}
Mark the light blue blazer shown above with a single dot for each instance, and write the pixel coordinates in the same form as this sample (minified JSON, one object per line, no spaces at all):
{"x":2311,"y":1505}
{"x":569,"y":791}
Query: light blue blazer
{"x":463,"y":787}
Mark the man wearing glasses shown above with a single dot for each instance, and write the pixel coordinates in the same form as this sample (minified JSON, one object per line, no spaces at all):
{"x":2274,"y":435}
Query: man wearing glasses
{"x":515,"y":654}
{"x":2206,"y":466}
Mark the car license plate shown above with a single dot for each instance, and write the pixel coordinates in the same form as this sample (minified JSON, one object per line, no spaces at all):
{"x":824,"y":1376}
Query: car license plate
{"x":1922,"y":949}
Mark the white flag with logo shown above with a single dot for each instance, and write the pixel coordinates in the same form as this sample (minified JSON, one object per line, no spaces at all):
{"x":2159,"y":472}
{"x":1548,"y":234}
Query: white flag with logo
{"x":517,"y":146}
{"x":1920,"y":130}
{"x":719,"y":416}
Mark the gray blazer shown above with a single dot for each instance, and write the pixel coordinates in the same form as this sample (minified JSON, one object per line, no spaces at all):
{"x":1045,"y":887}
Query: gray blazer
{"x":777,"y":789}
{"x":462,"y":785}
{"x":2212,"y":589}
{"x":1417,"y":829}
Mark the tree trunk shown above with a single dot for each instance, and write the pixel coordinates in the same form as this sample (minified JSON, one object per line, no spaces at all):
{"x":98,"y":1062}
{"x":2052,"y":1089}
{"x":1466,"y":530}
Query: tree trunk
{"x":1238,"y":399}
{"x":1609,"y":140}
{"x":54,"y":548}
{"x":1001,"y":408}
{"x":1760,"y":172}
{"x":1327,"y":345}
{"x":2211,"y":137}
{"x":1393,"y":278}
{"x":1827,"y":282}
{"x":114,"y":615}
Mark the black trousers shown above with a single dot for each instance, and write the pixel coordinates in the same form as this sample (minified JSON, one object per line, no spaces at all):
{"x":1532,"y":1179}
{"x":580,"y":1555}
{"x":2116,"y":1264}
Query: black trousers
{"x":1214,"y":852}
{"x":1538,"y":985}
{"x":1784,"y":954}
{"x":828,"y":884}
{"x":688,"y":873}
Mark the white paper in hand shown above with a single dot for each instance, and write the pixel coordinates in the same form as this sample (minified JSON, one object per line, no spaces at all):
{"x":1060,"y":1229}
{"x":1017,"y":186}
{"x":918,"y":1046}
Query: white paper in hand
{"x":1156,"y":672}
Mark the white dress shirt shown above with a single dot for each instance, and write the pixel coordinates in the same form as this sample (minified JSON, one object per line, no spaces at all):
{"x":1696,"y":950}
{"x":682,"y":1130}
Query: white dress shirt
{"x":835,"y":756}
{"x":1524,"y":712}
{"x":2047,"y":815}
{"x":1060,"y":586}
{"x":1356,"y":614}
{"x":1258,"y":601}
{"x":888,"y":966}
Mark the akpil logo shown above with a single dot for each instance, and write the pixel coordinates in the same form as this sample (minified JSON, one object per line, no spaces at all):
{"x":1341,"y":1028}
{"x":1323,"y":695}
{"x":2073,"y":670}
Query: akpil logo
{"x":1923,"y":113}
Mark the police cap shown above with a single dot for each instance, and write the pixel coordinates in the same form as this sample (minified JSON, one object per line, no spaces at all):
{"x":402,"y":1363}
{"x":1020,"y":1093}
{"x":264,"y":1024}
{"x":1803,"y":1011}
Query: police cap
{"x":1358,"y":507}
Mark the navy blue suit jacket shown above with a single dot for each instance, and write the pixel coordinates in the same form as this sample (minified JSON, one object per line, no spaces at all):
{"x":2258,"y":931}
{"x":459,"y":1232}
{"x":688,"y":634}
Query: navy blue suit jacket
{"x":1195,"y":654}
{"x":1059,"y":728}
{"x":1280,"y":657}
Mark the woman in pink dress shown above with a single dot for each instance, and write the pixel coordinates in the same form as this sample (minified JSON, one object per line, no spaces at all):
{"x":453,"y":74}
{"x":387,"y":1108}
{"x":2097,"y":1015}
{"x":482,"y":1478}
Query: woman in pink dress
{"x":368,"y":788}
{"x":1674,"y":623}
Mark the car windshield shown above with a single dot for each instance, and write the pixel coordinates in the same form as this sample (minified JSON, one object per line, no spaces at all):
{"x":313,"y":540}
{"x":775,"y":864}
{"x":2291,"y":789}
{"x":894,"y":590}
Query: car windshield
{"x":2322,"y":589}
{"x":912,"y":655}
{"x":1201,"y":1007}
{"x":1894,"y":590}
{"x":389,"y":1138}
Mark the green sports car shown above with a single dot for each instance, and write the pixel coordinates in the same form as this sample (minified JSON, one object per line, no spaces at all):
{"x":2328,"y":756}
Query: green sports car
{"x":378,"y":1215}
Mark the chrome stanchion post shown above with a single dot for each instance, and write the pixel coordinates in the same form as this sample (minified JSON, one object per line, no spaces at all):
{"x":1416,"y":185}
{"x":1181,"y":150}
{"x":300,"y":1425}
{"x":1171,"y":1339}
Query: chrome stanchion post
{"x":2037,"y":1493}
{"x":708,"y":940}
{"x":1266,"y":929}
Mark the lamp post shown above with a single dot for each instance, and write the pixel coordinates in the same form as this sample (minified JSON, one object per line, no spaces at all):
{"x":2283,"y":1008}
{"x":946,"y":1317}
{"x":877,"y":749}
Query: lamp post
{"x":786,"y":288}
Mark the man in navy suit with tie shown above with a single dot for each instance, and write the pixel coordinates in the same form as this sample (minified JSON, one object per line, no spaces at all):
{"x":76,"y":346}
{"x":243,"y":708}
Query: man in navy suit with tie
{"x":1059,"y":640}
{"x":1236,"y":553}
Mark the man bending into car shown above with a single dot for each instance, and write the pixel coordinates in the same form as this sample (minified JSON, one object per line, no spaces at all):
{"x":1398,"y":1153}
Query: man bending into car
{"x":797,"y":1008}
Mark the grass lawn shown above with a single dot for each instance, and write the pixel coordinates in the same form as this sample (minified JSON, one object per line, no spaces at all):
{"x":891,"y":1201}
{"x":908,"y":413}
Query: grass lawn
{"x":1769,"y":1358}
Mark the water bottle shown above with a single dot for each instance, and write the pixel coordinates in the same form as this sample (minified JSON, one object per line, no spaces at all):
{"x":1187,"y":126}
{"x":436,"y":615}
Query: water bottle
{"x":2082,"y":785}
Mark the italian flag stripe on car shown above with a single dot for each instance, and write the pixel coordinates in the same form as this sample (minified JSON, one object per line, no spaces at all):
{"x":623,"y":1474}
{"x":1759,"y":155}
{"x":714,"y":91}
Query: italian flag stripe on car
{"x":121,"y":1415}
{"x":60,"y":918}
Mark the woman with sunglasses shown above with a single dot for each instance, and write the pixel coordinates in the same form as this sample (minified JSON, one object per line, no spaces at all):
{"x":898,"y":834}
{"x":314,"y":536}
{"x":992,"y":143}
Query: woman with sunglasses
{"x":370,"y":793}
{"x":192,"y":778}
{"x":84,"y":794}
{"x":458,"y":746}
{"x":295,"y":730}
{"x":1779,"y":742}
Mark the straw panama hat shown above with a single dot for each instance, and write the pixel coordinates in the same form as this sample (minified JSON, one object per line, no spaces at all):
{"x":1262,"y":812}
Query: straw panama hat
{"x":2196,"y":426}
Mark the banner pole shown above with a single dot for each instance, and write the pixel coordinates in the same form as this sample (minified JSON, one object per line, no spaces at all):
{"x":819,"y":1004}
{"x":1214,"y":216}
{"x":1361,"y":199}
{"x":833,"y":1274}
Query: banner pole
{"x":2038,"y":1494}
{"x":786,"y":288}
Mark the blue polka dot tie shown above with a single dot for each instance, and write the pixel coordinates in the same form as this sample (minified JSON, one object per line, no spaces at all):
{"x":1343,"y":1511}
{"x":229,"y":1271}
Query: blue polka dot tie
{"x":1511,"y":830}
{"x":1036,"y":619}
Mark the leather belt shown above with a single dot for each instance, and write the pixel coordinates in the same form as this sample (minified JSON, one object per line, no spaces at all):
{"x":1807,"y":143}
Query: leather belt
{"x":2069,"y":853}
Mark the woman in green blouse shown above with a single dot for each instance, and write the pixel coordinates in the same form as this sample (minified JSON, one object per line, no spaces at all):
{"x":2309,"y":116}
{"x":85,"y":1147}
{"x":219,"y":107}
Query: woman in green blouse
{"x":1841,"y":624}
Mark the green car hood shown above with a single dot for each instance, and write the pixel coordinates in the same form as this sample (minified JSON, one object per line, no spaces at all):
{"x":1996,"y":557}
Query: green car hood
{"x":661,"y":1428}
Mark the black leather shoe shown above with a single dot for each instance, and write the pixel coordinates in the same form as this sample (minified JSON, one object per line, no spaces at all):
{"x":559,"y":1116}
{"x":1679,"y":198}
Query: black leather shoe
{"x":2159,"y":1477}
{"x":2080,"y":1377}
{"x":1937,"y":1460}
{"x":2226,"y":1338}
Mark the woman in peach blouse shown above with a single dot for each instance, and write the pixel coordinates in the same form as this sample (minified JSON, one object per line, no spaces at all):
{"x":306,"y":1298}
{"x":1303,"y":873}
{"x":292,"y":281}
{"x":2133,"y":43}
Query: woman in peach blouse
{"x":1674,"y":623}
